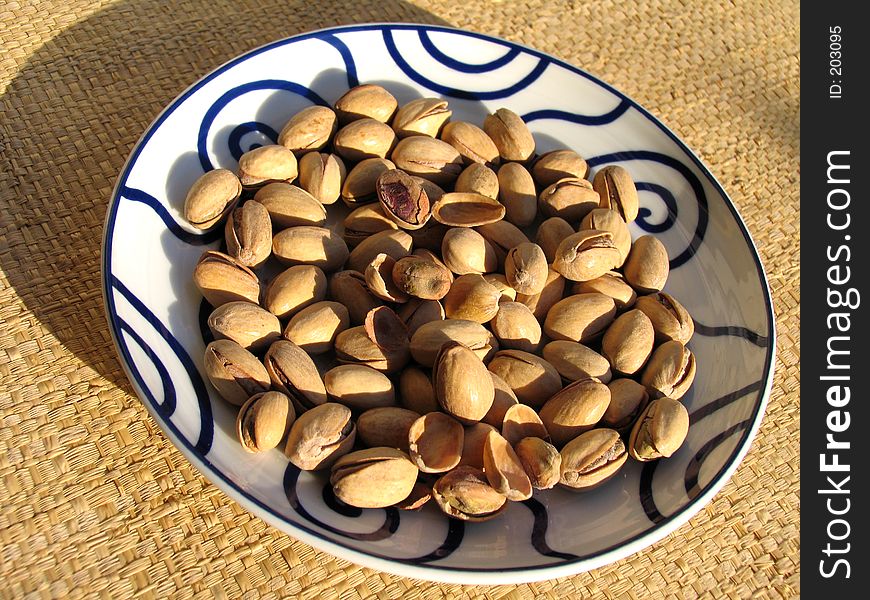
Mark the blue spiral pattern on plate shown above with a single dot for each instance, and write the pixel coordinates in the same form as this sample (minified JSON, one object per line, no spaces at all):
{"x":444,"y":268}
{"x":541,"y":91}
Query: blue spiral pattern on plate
{"x":455,"y":529}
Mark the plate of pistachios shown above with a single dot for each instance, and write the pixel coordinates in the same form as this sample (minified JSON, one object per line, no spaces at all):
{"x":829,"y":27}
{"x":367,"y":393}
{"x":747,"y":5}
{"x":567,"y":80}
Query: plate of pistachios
{"x":437,"y":303}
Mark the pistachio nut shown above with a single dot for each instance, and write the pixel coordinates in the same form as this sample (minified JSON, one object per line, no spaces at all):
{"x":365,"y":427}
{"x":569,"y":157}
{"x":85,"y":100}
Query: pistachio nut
{"x":422,"y":278}
{"x":610,"y":284}
{"x":659,"y":431}
{"x":366,"y":101}
{"x":435,"y":441}
{"x":647,"y":266}
{"x":670,"y":319}
{"x":393,"y":242}
{"x":586,"y":255}
{"x":386,"y":426}
{"x":471,"y":142}
{"x":503,"y":236}
{"x":234,"y":372}
{"x":354,"y":345}
{"x":248,"y":234}
{"x":417,"y":312}
{"x":462,"y":384}
{"x":421,"y":116}
{"x":464,"y":493}
{"x":478,"y":179}
{"x":592,"y":458}
{"x":503,"y":400}
{"x":670,"y":371}
{"x":379,"y":279}
{"x":552,"y":166}
{"x":533,"y":379}
{"x":473,"y":442}
{"x":420,"y":494}
{"x":540,"y":304}
{"x":211,"y":197}
{"x":617,"y":191}
{"x":349,"y":288}
{"x":373,"y":478}
{"x":551,"y":233}
{"x":322,"y":176}
{"x":516,"y":327}
{"x":541,"y":462}
{"x":416,"y":392}
{"x":264,"y":420}
{"x":580,"y":318}
{"x":309,"y":129}
{"x":294,"y":373}
{"x":466,"y":251}
{"x":359,"y":387}
{"x":267,"y":164}
{"x":570,"y":198}
{"x":428,"y":339}
{"x":253,"y":327}
{"x":510,"y":135}
{"x":628,"y":342}
{"x":521,"y":421}
{"x":359,"y":185}
{"x":627,"y":399}
{"x":403,"y":199}
{"x":364,"y":221}
{"x":221,"y":279}
{"x":320,"y":436}
{"x":605,"y":219}
{"x":500,"y":282}
{"x":293,"y":289}
{"x":575,"y":361}
{"x":428,"y":158}
{"x":290,"y":206}
{"x":471,"y":298}
{"x":516,"y":190}
{"x":467,"y":209}
{"x":364,"y":138}
{"x":503,"y":469}
{"x":526,"y":268}
{"x":575,"y":409}
{"x":315,"y":327}
{"x":306,"y":245}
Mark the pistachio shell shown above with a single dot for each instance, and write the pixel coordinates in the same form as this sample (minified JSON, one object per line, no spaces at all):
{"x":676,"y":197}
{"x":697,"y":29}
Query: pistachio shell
{"x":580,"y":318}
{"x":467,"y":209}
{"x":586,"y":255}
{"x":499,"y":282}
{"x":628,"y":342}
{"x":221,"y":278}
{"x":433,"y":191}
{"x":503,"y":236}
{"x":211,"y":197}
{"x":417,"y":312}
{"x":540,"y":304}
{"x":349,"y":288}
{"x":421,"y":116}
{"x":551,"y":233}
{"x":659,"y":431}
{"x":526,"y":268}
{"x":473,"y":443}
{"x":373,"y":478}
{"x":516,"y":327}
{"x":365,"y":221}
{"x":521,"y":421}
{"x":479,"y":179}
{"x":294,"y":289}
{"x":359,"y":387}
{"x":576,"y":408}
{"x":627,"y":399}
{"x":386,"y":426}
{"x":575,"y":361}
{"x":533,"y":379}
{"x":503,"y":400}
{"x":503,"y":469}
{"x":462,"y":385}
{"x":235,"y":373}
{"x":420,"y":494}
{"x":669,"y":318}
{"x":395,"y":243}
{"x":309,"y":129}
{"x":254,"y":328}
{"x":364,"y":138}
{"x":670,"y":371}
{"x":366,"y":101}
{"x":435,"y":442}
{"x":516,"y":190}
{"x":428,"y":158}
{"x":263,"y":421}
{"x":416,"y":392}
{"x":510,"y":135}
{"x":379,"y":279}
{"x":248,"y":234}
{"x":552,"y":166}
{"x":647,"y":266}
{"x":471,"y":298}
{"x":322,"y":175}
{"x":403,"y":199}
{"x":290,"y":206}
{"x":471,"y":142}
{"x":267,"y":164}
{"x":592,"y":458}
{"x":306,"y":245}
{"x":430,"y":236}
{"x":428,"y":339}
{"x":466,"y":251}
{"x":541,"y":462}
{"x":610,"y":284}
{"x":359,"y":185}
{"x":464,"y":493}
{"x":604,"y":219}
{"x":617,"y":190}
{"x":315,"y":327}
{"x":320,"y":436}
{"x":294,"y":373}
{"x":570,"y":198}
{"x":386,"y":329}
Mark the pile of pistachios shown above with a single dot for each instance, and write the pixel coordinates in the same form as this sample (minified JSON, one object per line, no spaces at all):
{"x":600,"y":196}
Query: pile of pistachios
{"x":428,"y":309}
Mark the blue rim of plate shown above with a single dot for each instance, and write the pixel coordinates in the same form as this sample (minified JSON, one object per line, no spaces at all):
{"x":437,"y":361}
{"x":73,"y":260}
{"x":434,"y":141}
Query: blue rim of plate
{"x":428,"y":570}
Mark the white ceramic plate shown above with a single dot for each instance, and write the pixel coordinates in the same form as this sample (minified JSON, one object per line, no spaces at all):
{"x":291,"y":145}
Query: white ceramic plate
{"x":156,"y":314}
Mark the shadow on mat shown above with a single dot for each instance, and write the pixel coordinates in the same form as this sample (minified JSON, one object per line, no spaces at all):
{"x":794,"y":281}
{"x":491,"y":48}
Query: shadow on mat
{"x":71,"y":116}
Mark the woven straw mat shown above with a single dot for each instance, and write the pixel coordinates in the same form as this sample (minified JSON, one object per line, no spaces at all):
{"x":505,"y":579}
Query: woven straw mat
{"x":94,"y":500}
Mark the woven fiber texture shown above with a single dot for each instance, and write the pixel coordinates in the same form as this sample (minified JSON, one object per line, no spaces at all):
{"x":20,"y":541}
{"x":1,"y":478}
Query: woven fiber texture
{"x":94,"y":500}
